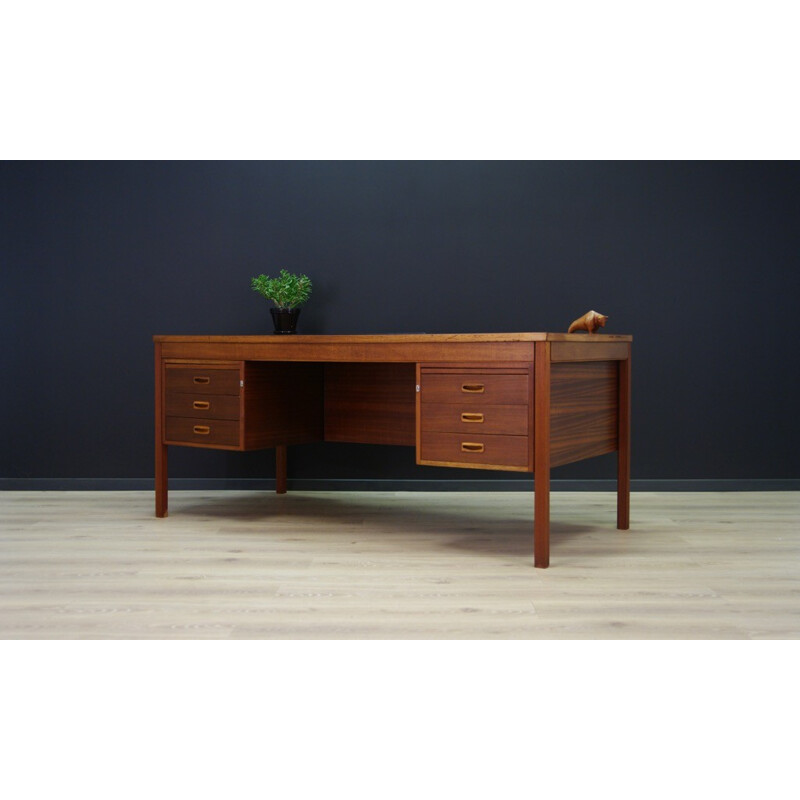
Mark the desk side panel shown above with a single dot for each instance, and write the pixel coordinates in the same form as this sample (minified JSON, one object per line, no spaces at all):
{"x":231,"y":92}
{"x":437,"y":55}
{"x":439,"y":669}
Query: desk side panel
{"x":583,"y":416}
{"x":590,"y":349}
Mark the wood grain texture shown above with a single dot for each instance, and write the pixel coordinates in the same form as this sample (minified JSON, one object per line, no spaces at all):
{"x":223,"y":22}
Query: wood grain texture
{"x":222,"y":433}
{"x":589,"y":350}
{"x":370,"y":403}
{"x":469,"y":418}
{"x":511,"y":367}
{"x":584,"y":410}
{"x":210,"y":406}
{"x":282,"y":404}
{"x":417,"y":413}
{"x":395,"y":565}
{"x":349,"y":349}
{"x":375,"y":408}
{"x":202,"y":379}
{"x":541,"y":455}
{"x":391,"y":338}
{"x":479,"y":392}
{"x":624,"y":444}
{"x":596,"y":338}
{"x":496,"y":451}
{"x":281,"y":466}
{"x":486,"y":387}
{"x":161,"y":471}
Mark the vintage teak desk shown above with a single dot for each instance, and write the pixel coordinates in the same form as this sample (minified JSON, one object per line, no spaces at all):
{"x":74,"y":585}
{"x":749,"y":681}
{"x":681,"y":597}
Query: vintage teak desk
{"x":524,"y":402}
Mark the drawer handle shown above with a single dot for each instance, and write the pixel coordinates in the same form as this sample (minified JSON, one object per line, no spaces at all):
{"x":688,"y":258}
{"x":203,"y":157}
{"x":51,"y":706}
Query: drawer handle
{"x":201,"y":379}
{"x":201,"y":430}
{"x":473,"y":388}
{"x":471,"y":447}
{"x":466,"y":417}
{"x":201,"y":404}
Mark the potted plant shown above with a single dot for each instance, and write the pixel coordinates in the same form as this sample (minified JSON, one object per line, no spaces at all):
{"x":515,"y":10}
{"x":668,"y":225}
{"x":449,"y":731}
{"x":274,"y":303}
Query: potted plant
{"x":288,"y":291}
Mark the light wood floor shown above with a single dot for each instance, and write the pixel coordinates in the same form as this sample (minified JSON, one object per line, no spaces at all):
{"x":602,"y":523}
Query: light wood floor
{"x":378,"y":565}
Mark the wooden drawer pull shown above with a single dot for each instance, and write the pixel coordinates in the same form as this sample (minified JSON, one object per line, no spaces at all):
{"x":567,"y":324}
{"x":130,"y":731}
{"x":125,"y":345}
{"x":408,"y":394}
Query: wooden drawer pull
{"x":201,"y":404}
{"x":473,"y":388}
{"x":201,"y":379}
{"x":466,"y":417}
{"x":201,"y":430}
{"x":471,"y":447}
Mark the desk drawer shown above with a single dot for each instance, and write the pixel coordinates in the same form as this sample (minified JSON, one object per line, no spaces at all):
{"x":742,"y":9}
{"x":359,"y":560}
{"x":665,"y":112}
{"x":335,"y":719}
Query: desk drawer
{"x":208,"y":406}
{"x":483,"y":388}
{"x":205,"y":432}
{"x":459,"y":449}
{"x":200,"y":379}
{"x":474,"y":420}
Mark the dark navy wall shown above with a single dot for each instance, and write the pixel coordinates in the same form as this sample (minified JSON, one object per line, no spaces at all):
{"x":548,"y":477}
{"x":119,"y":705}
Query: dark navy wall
{"x":700,"y":261}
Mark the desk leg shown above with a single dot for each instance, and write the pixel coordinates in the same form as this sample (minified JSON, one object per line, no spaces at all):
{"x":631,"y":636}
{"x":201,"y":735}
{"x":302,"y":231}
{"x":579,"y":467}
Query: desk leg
{"x":161,"y":480}
{"x":280,"y":469}
{"x":624,"y":445}
{"x":541,"y":455}
{"x":161,"y":448}
{"x":541,"y":519}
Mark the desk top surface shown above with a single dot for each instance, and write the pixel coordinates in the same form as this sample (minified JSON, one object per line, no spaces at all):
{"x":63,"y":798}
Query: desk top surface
{"x":397,"y":338}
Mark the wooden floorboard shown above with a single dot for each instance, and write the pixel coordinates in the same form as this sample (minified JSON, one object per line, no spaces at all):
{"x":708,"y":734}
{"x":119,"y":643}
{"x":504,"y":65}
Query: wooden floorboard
{"x":383,"y":565}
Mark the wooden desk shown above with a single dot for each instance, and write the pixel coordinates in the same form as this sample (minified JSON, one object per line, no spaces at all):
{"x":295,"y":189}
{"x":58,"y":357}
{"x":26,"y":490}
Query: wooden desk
{"x":523,"y":402}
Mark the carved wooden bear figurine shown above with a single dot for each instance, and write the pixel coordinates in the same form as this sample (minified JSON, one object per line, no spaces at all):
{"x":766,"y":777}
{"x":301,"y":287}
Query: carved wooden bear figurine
{"x":590,"y":321}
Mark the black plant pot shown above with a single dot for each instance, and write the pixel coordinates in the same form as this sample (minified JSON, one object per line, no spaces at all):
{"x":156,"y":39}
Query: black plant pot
{"x":285,"y":319}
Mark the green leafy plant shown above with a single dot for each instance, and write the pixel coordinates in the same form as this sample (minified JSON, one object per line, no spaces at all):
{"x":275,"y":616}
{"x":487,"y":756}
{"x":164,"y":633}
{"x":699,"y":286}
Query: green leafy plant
{"x":286,"y":291}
